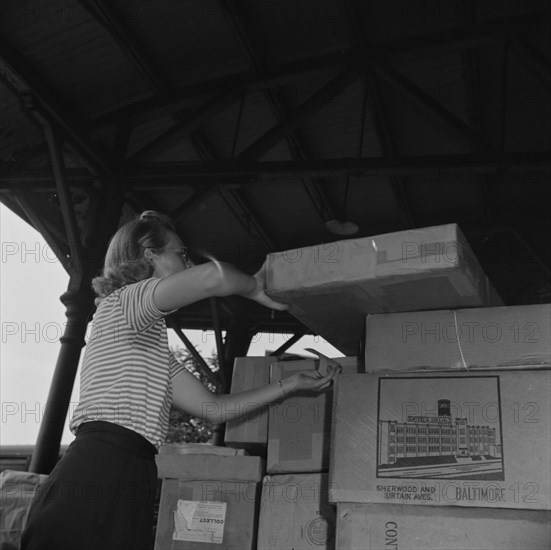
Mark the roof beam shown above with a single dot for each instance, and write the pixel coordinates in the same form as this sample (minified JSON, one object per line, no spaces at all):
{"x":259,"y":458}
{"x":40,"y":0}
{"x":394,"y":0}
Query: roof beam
{"x":126,"y":41}
{"x":26,"y":81}
{"x":180,"y":98}
{"x":302,"y":113}
{"x":418,"y":164}
{"x":234,"y":198}
{"x":471,"y":69}
{"x":462,"y":36}
{"x":298,"y":147}
{"x":423,"y":99}
{"x":108,"y":17}
{"x":376,"y":107}
{"x":183,"y":130}
{"x":534,"y":57}
{"x":162,"y":176}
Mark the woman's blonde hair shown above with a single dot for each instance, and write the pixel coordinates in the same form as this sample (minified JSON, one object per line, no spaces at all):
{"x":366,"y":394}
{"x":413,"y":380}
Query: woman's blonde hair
{"x":125,"y":262}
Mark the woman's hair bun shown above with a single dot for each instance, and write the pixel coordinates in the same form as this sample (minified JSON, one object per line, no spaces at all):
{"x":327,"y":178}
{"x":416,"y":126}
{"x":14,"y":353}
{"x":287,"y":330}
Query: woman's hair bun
{"x":156,"y":217}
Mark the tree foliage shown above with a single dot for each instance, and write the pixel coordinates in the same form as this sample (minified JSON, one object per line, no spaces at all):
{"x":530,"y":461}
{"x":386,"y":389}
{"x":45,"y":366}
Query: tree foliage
{"x":184,"y":428}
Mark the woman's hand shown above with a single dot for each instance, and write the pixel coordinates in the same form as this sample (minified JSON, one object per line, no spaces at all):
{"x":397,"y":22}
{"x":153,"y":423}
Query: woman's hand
{"x":309,"y":380}
{"x":259,"y":295}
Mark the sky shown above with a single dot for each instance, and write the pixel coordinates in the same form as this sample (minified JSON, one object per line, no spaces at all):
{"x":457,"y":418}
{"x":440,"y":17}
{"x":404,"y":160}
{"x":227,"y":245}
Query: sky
{"x":32,"y":319}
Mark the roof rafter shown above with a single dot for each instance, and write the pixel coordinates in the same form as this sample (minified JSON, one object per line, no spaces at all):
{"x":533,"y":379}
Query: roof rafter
{"x":298,"y":147}
{"x":161,"y":176}
{"x":486,"y":162}
{"x":129,"y":43}
{"x":463,"y":36}
{"x":105,"y":14}
{"x":185,"y":128}
{"x":534,"y":57}
{"x":305,"y":110}
{"x":377,"y":110}
{"x":180,"y":98}
{"x":234,"y":198}
{"x":26,"y":81}
{"x":413,"y":92}
{"x":108,"y":17}
{"x":471,"y":69}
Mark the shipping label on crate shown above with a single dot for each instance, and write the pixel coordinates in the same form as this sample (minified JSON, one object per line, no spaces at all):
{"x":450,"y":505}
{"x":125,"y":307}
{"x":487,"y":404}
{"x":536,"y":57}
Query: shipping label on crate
{"x":473,"y":439}
{"x":198,"y":521}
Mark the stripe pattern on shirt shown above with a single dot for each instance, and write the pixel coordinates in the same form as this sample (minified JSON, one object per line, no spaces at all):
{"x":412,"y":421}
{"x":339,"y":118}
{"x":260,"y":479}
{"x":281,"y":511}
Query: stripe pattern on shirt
{"x":127,"y":370}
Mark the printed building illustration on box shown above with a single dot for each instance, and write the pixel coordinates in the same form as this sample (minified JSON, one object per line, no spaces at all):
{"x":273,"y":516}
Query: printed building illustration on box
{"x":442,"y":445}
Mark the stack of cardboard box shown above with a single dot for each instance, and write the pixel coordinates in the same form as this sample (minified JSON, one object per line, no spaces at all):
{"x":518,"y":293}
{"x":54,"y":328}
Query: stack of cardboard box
{"x":209,"y":499}
{"x":445,"y":443}
{"x":438,"y":437}
{"x":250,"y":432}
{"x":331,"y":288}
{"x":294,"y":435}
{"x":295,"y":510}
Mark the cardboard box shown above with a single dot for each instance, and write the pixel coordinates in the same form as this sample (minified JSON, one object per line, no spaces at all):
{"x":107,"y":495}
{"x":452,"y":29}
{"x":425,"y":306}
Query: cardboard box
{"x":476,"y":439}
{"x":465,"y":338}
{"x":392,"y":526}
{"x":331,"y":287}
{"x":208,"y":467}
{"x":196,"y":515}
{"x":214,"y":503}
{"x":17,"y":490}
{"x":295,"y":513}
{"x":198,"y":448}
{"x":300,"y":425}
{"x":251,"y":432}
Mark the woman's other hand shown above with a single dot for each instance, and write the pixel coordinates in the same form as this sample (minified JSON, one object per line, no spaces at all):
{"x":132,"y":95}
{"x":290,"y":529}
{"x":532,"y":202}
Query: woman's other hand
{"x":310,"y":380}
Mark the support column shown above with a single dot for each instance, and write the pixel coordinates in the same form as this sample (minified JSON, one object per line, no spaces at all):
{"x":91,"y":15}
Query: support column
{"x":78,"y":305}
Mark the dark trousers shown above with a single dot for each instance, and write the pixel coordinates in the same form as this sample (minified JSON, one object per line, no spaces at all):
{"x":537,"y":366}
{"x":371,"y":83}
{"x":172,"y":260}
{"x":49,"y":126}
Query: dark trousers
{"x":100,"y":495}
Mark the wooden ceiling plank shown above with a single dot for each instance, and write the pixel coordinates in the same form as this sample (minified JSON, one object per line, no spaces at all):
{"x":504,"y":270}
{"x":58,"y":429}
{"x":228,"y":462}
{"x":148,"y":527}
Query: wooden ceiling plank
{"x":298,"y":146}
{"x":470,"y":59}
{"x":145,"y":110}
{"x":377,"y":109}
{"x":122,"y":139}
{"x":105,"y":13}
{"x":181,"y":131}
{"x":228,"y":170}
{"x":425,"y":100}
{"x":302,"y":113}
{"x":463,"y":36}
{"x":15,"y":68}
{"x":164,"y":176}
{"x":234,"y":198}
{"x":126,"y":39}
{"x":534,"y":57}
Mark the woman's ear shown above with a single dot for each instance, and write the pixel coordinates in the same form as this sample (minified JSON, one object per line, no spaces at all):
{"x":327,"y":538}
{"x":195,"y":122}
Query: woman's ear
{"x":148,"y":255}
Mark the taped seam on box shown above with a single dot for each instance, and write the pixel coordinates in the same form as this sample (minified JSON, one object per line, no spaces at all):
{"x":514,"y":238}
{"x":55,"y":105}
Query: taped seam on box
{"x":458,"y":338}
{"x":424,"y":250}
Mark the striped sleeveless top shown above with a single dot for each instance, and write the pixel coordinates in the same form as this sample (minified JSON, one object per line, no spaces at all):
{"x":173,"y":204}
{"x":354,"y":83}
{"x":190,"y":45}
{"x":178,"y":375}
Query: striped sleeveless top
{"x":127,"y":370}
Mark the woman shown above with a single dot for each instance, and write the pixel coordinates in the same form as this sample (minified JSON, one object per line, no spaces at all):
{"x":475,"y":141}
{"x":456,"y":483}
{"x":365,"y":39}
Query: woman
{"x":101,"y":493}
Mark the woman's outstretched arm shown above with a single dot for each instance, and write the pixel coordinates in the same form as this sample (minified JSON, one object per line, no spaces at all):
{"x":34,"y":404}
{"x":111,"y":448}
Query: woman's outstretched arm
{"x":190,"y":395}
{"x":209,"y":280}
